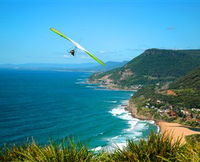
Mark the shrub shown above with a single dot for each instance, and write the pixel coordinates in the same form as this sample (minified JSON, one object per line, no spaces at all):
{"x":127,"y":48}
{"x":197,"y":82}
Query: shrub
{"x":157,"y":148}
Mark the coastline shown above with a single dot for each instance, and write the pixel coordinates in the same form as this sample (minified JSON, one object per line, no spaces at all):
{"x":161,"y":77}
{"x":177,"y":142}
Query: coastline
{"x":109,"y":87}
{"x":135,"y":125}
{"x":175,"y":130}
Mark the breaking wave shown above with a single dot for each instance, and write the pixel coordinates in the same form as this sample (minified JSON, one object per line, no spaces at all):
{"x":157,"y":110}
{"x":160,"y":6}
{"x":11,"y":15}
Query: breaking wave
{"x":136,"y":129}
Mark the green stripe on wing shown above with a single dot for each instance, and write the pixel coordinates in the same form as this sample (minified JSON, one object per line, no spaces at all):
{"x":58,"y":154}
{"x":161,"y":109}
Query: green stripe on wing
{"x":77,"y":45}
{"x":95,"y":58}
{"x":59,"y":33}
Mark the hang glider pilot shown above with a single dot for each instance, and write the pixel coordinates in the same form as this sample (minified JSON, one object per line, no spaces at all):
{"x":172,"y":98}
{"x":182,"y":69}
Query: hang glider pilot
{"x":72,"y":52}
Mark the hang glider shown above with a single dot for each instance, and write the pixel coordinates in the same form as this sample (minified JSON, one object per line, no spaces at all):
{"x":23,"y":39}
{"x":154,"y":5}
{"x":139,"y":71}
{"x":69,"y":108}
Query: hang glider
{"x":77,"y":46}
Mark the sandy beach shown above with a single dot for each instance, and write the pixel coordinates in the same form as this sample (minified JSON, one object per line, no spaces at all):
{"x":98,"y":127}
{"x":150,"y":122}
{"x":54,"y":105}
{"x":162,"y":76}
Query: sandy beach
{"x":175,"y":130}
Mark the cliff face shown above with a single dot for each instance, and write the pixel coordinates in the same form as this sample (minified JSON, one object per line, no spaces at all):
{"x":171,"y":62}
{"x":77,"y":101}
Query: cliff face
{"x":152,"y":66}
{"x":132,"y":108}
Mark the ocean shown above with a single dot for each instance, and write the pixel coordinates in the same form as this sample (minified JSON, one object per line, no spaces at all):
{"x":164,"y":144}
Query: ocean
{"x":44,"y":105}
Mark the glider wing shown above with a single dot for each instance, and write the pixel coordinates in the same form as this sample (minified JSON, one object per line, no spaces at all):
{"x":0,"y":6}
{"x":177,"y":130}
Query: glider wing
{"x":77,"y":45}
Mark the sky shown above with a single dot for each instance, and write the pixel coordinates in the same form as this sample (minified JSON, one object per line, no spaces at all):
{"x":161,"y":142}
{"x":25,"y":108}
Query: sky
{"x":113,"y":30}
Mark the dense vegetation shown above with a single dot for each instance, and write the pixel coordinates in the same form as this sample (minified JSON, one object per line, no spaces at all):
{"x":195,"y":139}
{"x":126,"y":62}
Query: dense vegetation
{"x":153,"y":66}
{"x":181,"y":98}
{"x":163,"y":63}
{"x":170,"y":81}
{"x":189,"y":81}
{"x":194,"y":138}
{"x":157,"y":148}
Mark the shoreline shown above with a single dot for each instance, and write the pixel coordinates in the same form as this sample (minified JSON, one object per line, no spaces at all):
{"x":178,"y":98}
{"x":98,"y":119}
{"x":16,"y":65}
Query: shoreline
{"x":128,"y":108}
{"x":175,"y":130}
{"x":109,"y":87}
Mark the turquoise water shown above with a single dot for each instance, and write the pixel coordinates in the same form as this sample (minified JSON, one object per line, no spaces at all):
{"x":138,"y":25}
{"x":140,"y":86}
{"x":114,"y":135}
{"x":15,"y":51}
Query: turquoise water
{"x":53,"y":104}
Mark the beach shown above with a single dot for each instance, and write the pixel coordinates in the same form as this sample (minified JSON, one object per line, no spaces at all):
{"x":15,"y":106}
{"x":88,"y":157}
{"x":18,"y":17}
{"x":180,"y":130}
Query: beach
{"x":175,"y":130}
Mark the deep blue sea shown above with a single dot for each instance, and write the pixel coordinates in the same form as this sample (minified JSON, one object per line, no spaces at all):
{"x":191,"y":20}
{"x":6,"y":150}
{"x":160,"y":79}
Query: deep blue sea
{"x":59,"y":104}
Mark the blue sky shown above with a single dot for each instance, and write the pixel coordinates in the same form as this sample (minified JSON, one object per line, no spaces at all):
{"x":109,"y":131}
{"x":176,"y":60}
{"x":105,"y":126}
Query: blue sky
{"x":114,"y":30}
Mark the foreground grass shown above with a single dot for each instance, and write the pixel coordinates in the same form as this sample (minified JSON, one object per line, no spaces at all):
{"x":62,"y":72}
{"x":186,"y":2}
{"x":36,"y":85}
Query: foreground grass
{"x":157,"y":148}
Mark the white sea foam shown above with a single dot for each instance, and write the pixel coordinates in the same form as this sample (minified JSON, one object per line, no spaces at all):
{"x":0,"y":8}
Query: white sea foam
{"x":111,"y":101}
{"x":115,"y":142}
{"x":150,"y":121}
{"x":99,"y":148}
{"x":134,"y":131}
{"x":116,"y":137}
{"x":117,"y":111}
{"x":80,"y":79}
{"x":101,"y":133}
{"x":141,"y":125}
{"x":132,"y":125}
{"x":120,"y":145}
{"x":127,"y":116}
{"x":158,"y":129}
{"x":90,"y":86}
{"x":80,"y":82}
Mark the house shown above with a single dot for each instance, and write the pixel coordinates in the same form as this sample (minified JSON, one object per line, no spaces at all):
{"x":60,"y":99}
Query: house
{"x":172,"y":113}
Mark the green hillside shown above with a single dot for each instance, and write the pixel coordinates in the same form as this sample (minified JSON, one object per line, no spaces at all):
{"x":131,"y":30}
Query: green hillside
{"x":179,"y":101}
{"x":152,"y":66}
{"x":189,"y":81}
